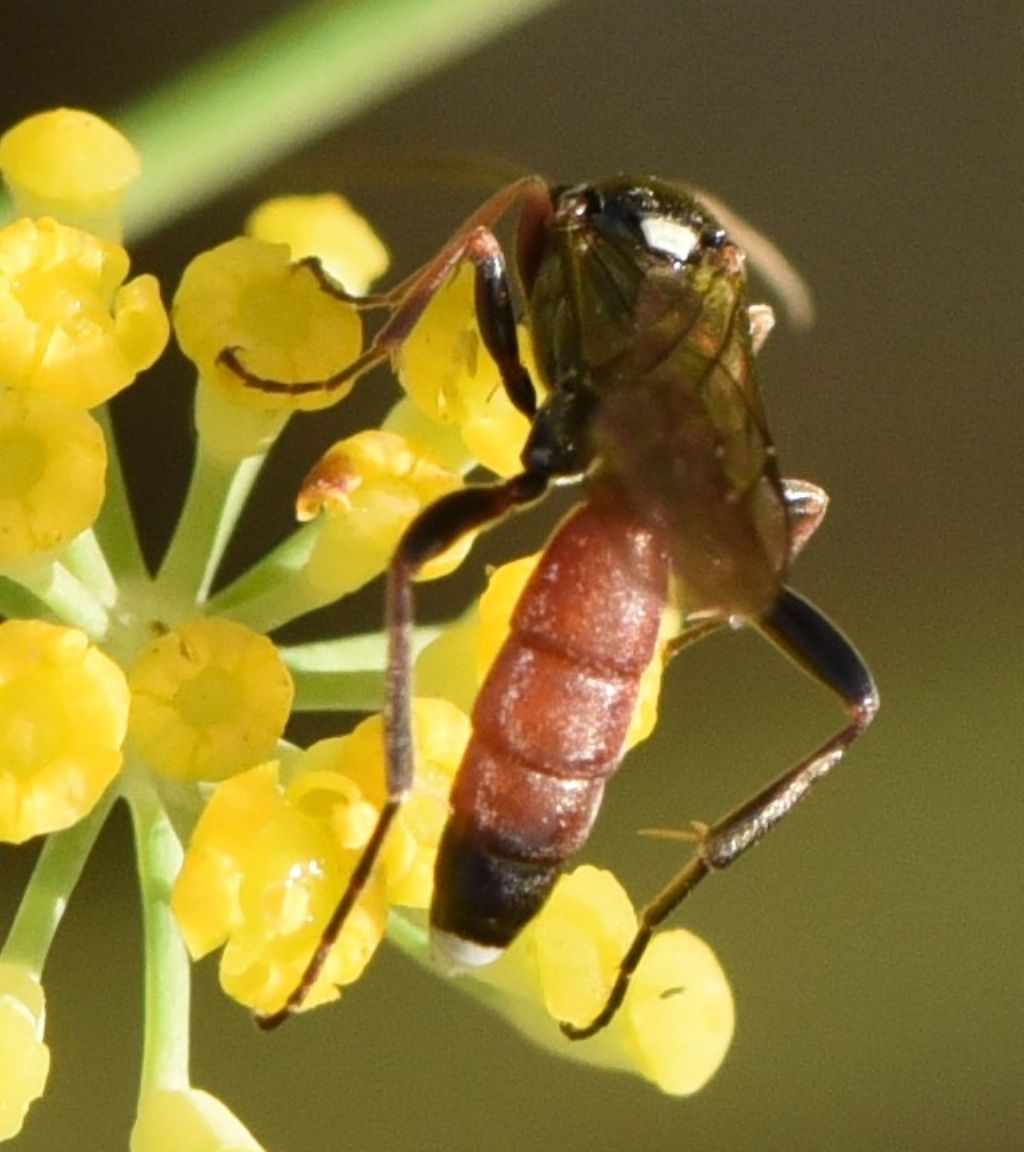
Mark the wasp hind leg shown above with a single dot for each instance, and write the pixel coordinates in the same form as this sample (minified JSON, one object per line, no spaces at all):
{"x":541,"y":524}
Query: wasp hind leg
{"x":810,"y":639}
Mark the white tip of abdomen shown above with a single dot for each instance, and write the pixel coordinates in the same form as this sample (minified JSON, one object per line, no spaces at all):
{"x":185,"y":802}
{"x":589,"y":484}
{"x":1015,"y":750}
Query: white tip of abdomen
{"x":454,"y":954}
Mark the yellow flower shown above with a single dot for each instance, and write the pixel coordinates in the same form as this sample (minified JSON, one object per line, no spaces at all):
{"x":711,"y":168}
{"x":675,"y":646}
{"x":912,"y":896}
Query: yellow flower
{"x":578,"y":938}
{"x":24,"y":1058}
{"x":678,"y":1016}
{"x":63,"y":713}
{"x":327,"y":227}
{"x":449,"y":375}
{"x":440,"y":735}
{"x":277,"y":317}
{"x":267,"y":863}
{"x":53,"y":461}
{"x":188,"y":1120}
{"x":369,"y":487}
{"x":676,"y":1023}
{"x":674,"y":1026}
{"x":208,"y":699}
{"x":497,"y":603}
{"x":69,"y":164}
{"x":71,"y":326}
{"x":262,"y":874}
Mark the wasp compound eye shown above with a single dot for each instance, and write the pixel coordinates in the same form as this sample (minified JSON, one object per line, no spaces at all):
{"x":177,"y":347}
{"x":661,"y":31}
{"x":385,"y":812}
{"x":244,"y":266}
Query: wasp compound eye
{"x":711,"y":236}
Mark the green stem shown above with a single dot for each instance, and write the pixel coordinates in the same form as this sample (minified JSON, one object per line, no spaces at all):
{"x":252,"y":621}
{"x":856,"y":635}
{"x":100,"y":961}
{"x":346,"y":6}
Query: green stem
{"x":345,"y":675}
{"x":66,"y":597}
{"x":272,"y":589}
{"x":87,"y":562}
{"x":235,"y":114}
{"x":53,"y":880}
{"x":339,"y":691}
{"x":115,"y":528}
{"x":216,"y":496}
{"x":167,"y":992}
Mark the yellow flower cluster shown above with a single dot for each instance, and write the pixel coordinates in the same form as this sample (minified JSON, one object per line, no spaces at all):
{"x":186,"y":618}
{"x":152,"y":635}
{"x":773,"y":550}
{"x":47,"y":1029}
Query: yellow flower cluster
{"x":75,"y":332}
{"x":120,"y":683}
{"x":269,"y":861}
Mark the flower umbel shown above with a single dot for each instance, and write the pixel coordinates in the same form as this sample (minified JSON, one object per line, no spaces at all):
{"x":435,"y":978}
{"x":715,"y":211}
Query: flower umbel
{"x":166,"y":690}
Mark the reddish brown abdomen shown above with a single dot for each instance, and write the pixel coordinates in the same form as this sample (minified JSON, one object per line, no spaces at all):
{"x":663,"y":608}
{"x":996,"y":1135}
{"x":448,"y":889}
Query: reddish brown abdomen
{"x":549,"y":723}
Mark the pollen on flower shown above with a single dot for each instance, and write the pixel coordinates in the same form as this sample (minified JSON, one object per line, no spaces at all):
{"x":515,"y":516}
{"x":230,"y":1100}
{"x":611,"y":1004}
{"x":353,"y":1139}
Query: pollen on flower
{"x":440,"y":735}
{"x":72,"y":327}
{"x":24,"y":1057}
{"x":327,"y":227}
{"x":368,"y":488}
{"x":277,"y":317}
{"x":67,"y":163}
{"x":261,"y":875}
{"x":53,"y":461}
{"x":63,"y":714}
{"x":446,"y":371}
{"x":209,"y":699}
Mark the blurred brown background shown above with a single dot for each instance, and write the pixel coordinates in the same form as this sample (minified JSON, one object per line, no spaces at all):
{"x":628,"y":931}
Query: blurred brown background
{"x":874,"y":944}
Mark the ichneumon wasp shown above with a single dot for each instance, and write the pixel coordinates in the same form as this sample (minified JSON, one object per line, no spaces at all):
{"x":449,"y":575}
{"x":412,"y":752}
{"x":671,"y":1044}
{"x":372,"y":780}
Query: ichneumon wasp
{"x":636,"y":300}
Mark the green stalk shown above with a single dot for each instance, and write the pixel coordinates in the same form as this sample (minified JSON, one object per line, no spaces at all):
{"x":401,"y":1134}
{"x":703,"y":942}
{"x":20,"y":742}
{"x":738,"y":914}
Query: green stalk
{"x":86,"y":561}
{"x":216,"y":496}
{"x":345,"y":675}
{"x":167,"y":993}
{"x":271,"y":592}
{"x":235,"y":114}
{"x":49,"y":890}
{"x":66,"y":597}
{"x":115,"y":528}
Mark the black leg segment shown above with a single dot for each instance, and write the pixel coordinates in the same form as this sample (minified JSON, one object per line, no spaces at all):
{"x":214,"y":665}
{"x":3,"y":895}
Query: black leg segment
{"x":810,"y":639}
